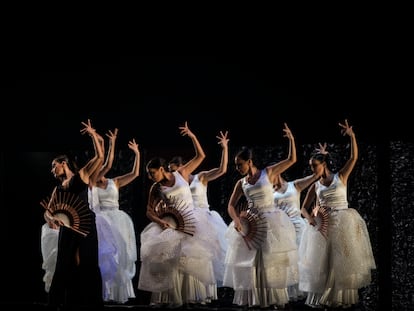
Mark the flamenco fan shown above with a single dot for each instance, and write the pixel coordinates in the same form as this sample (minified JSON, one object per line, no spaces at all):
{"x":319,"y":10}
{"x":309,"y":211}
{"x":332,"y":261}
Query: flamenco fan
{"x":72,"y":211}
{"x":177,"y":214}
{"x":321,"y":216}
{"x":254,"y":225}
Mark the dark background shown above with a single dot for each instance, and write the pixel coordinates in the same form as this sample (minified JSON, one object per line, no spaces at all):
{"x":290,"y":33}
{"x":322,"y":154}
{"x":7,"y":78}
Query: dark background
{"x":149,"y":83}
{"x":248,"y":78}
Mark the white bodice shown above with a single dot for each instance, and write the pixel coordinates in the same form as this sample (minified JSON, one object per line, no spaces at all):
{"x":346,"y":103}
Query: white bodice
{"x":261,"y":193}
{"x":334,"y":195}
{"x":199,"y":193}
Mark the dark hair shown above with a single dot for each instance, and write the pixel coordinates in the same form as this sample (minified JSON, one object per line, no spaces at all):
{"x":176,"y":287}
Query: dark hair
{"x":324,"y":158}
{"x":177,"y":160}
{"x":247,"y":153}
{"x":157,"y":163}
{"x":64,"y":158}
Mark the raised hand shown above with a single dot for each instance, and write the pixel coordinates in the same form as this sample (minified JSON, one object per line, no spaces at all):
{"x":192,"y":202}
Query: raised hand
{"x":133,"y":145}
{"x":346,"y":128}
{"x":322,"y":148}
{"x":287,"y":132}
{"x":88,"y":129}
{"x":185,"y":130}
{"x":223,"y":140}
{"x":112,"y":135}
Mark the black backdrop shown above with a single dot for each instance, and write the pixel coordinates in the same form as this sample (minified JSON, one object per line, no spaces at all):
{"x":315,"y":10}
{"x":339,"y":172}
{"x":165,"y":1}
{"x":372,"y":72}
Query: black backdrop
{"x":250,"y":93}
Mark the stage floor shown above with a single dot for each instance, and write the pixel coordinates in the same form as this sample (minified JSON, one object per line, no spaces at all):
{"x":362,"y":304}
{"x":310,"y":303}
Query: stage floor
{"x":294,"y":306}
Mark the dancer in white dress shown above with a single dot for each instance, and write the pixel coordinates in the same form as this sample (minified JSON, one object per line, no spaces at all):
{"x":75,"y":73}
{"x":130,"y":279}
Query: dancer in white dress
{"x":287,"y":198}
{"x":260,"y":271}
{"x":116,"y":232}
{"x":176,"y":265}
{"x":198,"y":186}
{"x":49,"y":243}
{"x":336,"y":257}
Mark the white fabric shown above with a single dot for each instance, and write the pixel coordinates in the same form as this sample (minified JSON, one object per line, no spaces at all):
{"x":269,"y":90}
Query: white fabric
{"x":260,"y":276}
{"x":117,"y":243}
{"x":332,"y":269}
{"x":177,"y":267}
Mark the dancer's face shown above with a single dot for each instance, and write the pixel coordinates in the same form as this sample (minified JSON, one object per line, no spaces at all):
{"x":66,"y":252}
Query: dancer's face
{"x":316,"y":165}
{"x":57,"y":169}
{"x":242,"y":166}
{"x":156,"y":174}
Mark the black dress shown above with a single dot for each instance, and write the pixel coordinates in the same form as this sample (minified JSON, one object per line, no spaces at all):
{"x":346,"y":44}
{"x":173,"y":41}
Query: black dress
{"x":76,"y":284}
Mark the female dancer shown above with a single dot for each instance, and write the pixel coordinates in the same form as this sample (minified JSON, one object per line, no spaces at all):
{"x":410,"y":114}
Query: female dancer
{"x":260,"y":267}
{"x":176,"y":264}
{"x":77,"y":278}
{"x":336,"y":257}
{"x":198,"y":186}
{"x":116,"y":233}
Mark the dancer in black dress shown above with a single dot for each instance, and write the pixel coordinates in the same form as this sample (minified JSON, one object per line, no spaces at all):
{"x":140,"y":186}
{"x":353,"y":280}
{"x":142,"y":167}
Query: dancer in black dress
{"x":77,"y":279}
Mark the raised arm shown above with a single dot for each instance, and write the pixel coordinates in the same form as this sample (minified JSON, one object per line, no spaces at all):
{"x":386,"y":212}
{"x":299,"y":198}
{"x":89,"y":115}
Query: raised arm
{"x":124,"y":180}
{"x":274,"y":170}
{"x":346,"y":170}
{"x":100,"y":173}
{"x":95,"y":176}
{"x":96,"y":162}
{"x":106,"y":167}
{"x":206,"y":176}
{"x":199,"y":156}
